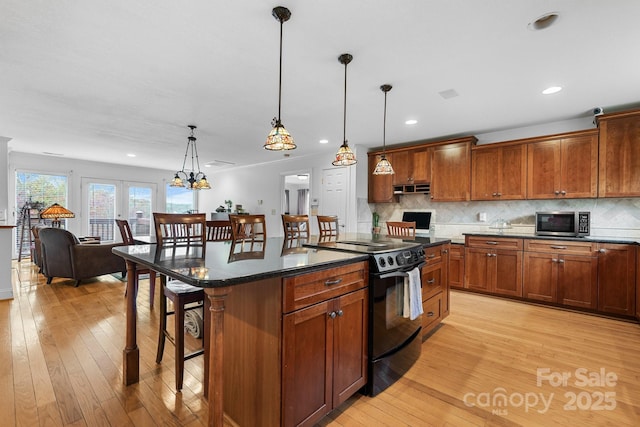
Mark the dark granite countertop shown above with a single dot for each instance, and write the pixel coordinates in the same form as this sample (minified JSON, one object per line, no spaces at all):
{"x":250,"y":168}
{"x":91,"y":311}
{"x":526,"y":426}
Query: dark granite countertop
{"x":225,"y":264}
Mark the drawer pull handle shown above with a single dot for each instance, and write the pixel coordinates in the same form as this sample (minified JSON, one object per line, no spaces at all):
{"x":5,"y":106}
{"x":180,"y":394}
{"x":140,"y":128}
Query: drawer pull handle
{"x":554,"y":260}
{"x":332,"y":282}
{"x":430,"y":256}
{"x":431,"y":282}
{"x":430,"y":314}
{"x":491,"y":243}
{"x":558,"y":247}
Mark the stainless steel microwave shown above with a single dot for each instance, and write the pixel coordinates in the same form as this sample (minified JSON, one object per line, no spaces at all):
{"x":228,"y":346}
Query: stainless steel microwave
{"x":563,"y":223}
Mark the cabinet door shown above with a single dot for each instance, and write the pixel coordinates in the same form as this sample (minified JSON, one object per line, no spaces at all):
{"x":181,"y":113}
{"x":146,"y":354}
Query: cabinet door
{"x":578,"y":281}
{"x":543,"y":170}
{"x":508,"y":273}
{"x":619,"y":164}
{"x":579,"y":169}
{"x":451,"y":172}
{"x":421,"y":169}
{"x":513,"y":173}
{"x":616,"y":278}
{"x":307,"y":364}
{"x":476,"y":269}
{"x":402,"y":168}
{"x":456,"y":266}
{"x":380,"y":186}
{"x":445,"y":280}
{"x":540,"y":276}
{"x":350,"y":345}
{"x":484,"y":180}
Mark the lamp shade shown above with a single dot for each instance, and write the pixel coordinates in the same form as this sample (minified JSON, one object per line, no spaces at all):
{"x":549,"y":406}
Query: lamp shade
{"x":55,"y":211}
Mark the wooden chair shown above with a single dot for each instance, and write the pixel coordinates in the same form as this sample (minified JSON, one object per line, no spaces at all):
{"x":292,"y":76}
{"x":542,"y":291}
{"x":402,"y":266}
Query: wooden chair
{"x":179,"y":231}
{"x":401,"y":228}
{"x":328,"y":225}
{"x":127,"y":239}
{"x":218,"y":230}
{"x":248,"y":227}
{"x":295,"y":226}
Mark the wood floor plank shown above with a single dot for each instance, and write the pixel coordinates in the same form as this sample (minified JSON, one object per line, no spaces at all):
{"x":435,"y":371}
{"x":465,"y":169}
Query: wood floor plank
{"x":61,"y":365}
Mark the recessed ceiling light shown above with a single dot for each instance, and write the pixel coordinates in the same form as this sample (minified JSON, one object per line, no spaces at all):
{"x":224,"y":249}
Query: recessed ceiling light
{"x":324,"y":141}
{"x":207,"y":165}
{"x":542,"y":22}
{"x":302,"y":177}
{"x":131,"y":155}
{"x":552,"y":89}
{"x":411,"y":122}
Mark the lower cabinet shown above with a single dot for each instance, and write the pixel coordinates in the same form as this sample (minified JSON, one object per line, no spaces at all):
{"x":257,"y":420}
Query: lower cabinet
{"x":617,"y":279}
{"x":323,"y":354}
{"x":435,"y":287}
{"x":456,"y":265}
{"x":494,"y":265}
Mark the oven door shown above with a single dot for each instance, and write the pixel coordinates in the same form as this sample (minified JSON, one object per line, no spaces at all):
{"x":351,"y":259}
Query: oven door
{"x":390,"y":329}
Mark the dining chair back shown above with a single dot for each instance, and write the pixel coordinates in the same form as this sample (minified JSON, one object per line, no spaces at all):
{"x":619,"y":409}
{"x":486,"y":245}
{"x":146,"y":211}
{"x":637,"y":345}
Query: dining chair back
{"x":218,"y":230}
{"x":127,"y":239}
{"x":295,"y":226}
{"x":173,"y":231}
{"x":248,"y":227}
{"x":328,"y":225}
{"x":401,"y":228}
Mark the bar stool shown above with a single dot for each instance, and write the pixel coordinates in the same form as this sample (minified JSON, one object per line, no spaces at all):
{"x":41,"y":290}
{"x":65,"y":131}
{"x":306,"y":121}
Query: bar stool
{"x":295,"y":226}
{"x":187,"y":232}
{"x":248,"y":227}
{"x":127,"y":239}
{"x":328,"y":225}
{"x":401,"y":228}
{"x":218,"y":230}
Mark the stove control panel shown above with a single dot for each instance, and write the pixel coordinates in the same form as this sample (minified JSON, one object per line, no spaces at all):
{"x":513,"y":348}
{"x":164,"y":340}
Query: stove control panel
{"x":396,"y":260}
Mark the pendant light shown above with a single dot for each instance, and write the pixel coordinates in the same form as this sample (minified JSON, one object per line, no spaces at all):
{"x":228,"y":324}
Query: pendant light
{"x":384,"y":167}
{"x":344,"y":156}
{"x":279,"y":138}
{"x":194,"y":180}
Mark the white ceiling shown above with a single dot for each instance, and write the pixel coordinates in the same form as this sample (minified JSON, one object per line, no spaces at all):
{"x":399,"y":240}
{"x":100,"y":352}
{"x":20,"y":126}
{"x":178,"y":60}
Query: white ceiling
{"x":97,"y":80}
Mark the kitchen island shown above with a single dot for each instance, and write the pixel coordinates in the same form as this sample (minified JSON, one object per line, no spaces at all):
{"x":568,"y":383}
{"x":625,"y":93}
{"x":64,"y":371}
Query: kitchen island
{"x":255,"y":298}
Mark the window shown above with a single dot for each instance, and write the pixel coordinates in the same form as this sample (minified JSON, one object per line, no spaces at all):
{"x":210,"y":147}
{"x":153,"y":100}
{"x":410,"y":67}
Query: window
{"x":180,"y":200}
{"x":35,"y":192}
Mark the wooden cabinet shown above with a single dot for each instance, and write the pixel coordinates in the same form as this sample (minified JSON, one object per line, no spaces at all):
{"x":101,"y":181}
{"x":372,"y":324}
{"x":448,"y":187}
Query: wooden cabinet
{"x":617,"y":278}
{"x":412,"y":166}
{"x":435,"y":287}
{"x":324,"y":350}
{"x":456,"y":266}
{"x":494,"y":265}
{"x":451,"y":171}
{"x":499,"y":172}
{"x":619,"y":165}
{"x":563,"y":272}
{"x":380,"y":186}
{"x":563,"y":166}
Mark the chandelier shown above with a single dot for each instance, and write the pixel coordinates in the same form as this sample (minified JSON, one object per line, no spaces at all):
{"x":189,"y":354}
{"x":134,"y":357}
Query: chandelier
{"x":193,"y":180}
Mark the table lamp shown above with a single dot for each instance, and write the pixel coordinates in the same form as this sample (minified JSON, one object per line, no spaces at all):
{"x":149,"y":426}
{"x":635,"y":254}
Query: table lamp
{"x":55,"y":212}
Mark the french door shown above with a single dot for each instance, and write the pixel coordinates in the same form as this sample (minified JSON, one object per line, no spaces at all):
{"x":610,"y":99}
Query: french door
{"x":105,"y":201}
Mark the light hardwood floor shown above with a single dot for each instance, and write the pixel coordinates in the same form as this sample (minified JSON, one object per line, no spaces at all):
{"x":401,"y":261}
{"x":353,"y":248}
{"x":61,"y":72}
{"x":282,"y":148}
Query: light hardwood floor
{"x":61,"y":364}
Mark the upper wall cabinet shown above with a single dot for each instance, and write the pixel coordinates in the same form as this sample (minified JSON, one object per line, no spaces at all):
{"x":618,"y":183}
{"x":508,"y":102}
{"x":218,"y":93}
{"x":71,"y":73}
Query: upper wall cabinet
{"x":451,"y":171}
{"x":380,"y":186}
{"x":499,"y":172}
{"x":619,"y":167}
{"x":412,"y":166}
{"x":563,"y":166}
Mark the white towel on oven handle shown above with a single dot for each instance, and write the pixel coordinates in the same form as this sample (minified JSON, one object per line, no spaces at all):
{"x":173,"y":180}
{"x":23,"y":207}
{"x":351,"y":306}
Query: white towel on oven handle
{"x":412,"y":307}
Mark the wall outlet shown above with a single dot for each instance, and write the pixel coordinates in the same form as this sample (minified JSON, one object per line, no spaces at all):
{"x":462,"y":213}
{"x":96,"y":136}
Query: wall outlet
{"x":273,"y":211}
{"x":482,"y":216}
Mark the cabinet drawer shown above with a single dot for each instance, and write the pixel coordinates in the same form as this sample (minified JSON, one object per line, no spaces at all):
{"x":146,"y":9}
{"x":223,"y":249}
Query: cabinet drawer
{"x":432,"y":313}
{"x":311,"y":288}
{"x":433,"y":254}
{"x":431,"y":280}
{"x":561,"y":247}
{"x":494,"y":242}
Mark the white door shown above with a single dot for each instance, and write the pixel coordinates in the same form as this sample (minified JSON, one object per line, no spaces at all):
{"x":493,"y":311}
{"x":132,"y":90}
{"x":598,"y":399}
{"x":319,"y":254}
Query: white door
{"x":335,"y":182}
{"x":105,"y":201}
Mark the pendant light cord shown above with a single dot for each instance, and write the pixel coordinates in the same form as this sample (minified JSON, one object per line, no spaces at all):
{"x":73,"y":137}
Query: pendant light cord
{"x":384,"y":125}
{"x":280,"y":72}
{"x":344,"y":118}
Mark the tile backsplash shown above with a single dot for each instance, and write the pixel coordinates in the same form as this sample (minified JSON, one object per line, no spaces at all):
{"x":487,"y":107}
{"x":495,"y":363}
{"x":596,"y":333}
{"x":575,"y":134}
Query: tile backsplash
{"x":609,"y":217}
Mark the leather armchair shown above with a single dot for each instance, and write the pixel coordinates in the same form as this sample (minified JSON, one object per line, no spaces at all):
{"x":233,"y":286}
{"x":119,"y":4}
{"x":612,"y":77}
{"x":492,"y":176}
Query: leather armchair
{"x":64,"y":256}
{"x":36,"y":250}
